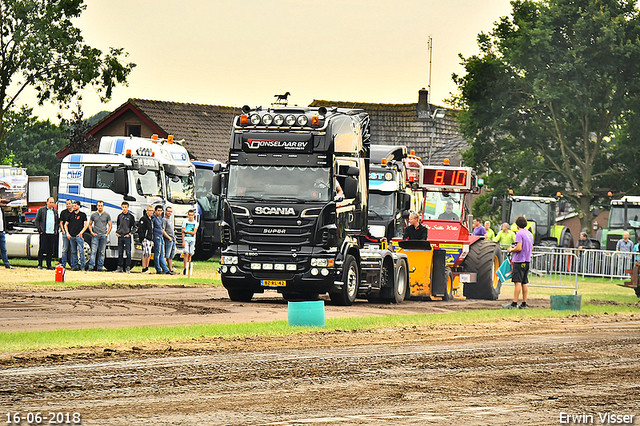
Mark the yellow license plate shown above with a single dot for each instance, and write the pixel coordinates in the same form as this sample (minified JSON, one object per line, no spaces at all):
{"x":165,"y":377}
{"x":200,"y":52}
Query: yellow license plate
{"x":273,"y":283}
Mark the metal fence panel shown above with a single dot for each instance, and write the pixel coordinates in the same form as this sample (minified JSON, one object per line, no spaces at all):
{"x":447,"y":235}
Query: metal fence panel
{"x":553,"y":268}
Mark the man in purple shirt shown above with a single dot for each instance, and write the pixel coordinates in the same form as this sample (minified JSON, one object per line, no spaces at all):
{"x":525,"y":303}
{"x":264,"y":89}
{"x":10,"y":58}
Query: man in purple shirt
{"x":478,"y":229}
{"x":520,"y":263}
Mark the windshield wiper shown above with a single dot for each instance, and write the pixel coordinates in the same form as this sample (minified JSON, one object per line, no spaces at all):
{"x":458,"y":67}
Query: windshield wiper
{"x":246,"y":197}
{"x":375,"y":213}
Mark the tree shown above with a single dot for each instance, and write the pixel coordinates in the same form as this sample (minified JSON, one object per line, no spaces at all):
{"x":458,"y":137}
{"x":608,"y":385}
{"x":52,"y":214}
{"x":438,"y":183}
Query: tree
{"x":33,"y":143}
{"x":40,"y":47}
{"x":547,"y":96}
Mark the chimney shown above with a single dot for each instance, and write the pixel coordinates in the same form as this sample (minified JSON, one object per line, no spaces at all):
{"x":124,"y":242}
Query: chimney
{"x":422,"y":107}
{"x":423,"y":96}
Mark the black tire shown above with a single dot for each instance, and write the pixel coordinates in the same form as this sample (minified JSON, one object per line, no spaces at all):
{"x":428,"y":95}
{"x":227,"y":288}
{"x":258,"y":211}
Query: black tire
{"x":548,"y":243}
{"x":484,"y":259}
{"x":638,"y":291}
{"x":567,"y":240}
{"x":396,"y":289}
{"x":240,"y":295}
{"x":448,"y":295}
{"x":350,"y":282}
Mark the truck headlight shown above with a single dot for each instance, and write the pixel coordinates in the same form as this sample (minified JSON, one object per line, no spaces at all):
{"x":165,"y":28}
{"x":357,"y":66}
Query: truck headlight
{"x":229,"y":260}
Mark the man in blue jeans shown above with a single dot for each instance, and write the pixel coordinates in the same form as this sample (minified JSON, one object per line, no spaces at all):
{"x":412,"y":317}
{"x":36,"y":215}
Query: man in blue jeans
{"x":158,"y":243}
{"x":3,"y":241}
{"x":100,"y":226}
{"x":75,"y":226}
{"x":64,"y":215}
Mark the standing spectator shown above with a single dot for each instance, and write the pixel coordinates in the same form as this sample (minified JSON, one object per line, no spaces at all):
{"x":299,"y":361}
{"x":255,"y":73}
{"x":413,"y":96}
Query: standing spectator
{"x":47,"y":222}
{"x":189,"y":229}
{"x":490,"y":235}
{"x":158,"y":240}
{"x":583,"y":242}
{"x":520,"y":263}
{"x":636,"y":249}
{"x":625,"y":245}
{"x":3,"y":240}
{"x":478,"y":229}
{"x":169,"y":238}
{"x":125,"y":227}
{"x":75,"y":226}
{"x":100,"y":226}
{"x":506,"y":237}
{"x":145,"y":234}
{"x":64,"y":215}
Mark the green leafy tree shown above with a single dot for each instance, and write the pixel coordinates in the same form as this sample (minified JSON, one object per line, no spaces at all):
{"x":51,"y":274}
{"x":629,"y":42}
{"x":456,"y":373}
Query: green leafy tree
{"x":40,"y":47}
{"x":33,"y":143}
{"x":544,"y":101}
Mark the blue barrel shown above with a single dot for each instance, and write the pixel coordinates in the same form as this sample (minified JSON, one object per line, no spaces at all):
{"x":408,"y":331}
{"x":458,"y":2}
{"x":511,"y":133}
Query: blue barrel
{"x":306,"y":314}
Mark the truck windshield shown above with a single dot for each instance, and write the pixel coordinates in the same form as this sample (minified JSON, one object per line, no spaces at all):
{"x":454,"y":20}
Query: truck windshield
{"x":279,"y":182}
{"x":381,"y":203}
{"x":208,"y":202}
{"x":442,"y":206}
{"x":149,"y":184}
{"x":616,"y":217}
{"x":180,"y":189}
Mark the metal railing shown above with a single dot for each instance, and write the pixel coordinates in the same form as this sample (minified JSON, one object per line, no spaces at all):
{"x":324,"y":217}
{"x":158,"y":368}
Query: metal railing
{"x":553,"y":268}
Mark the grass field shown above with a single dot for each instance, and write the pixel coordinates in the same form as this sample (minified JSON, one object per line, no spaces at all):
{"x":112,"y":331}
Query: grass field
{"x":26,"y":277}
{"x":599,"y":296}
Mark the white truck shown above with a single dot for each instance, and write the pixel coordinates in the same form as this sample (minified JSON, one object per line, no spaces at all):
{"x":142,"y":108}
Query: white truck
{"x":140,"y":171}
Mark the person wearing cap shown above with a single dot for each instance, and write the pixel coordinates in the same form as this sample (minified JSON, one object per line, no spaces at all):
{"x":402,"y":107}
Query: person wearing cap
{"x":75,"y":226}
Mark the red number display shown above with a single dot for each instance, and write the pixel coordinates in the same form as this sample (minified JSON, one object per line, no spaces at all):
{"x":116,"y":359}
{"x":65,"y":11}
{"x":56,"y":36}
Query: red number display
{"x":446,"y":177}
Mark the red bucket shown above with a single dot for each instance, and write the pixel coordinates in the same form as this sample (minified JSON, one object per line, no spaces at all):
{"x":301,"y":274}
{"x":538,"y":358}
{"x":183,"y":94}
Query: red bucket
{"x":60,"y":274}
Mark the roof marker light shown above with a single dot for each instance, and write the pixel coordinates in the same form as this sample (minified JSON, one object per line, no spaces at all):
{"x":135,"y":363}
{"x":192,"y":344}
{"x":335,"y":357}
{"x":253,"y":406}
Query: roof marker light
{"x":315,"y":120}
{"x":446,"y":161}
{"x":170,"y":139}
{"x":303,"y":120}
{"x":290,"y":120}
{"x":383,"y":162}
{"x":128,"y":153}
{"x":154,"y":138}
{"x":244,"y":119}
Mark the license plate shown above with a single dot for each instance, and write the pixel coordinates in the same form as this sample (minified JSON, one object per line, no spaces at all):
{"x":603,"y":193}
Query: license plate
{"x":465,"y":278}
{"x":273,"y":283}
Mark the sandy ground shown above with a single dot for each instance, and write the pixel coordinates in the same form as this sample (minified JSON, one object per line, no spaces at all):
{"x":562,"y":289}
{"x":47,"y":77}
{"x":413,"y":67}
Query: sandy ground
{"x":520,"y":371}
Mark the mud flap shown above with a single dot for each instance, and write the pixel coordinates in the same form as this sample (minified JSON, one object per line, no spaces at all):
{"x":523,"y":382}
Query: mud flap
{"x":438,"y":277}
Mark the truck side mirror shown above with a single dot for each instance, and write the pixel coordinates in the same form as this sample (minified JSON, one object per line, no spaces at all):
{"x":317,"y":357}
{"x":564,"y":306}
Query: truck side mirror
{"x":216,"y":184}
{"x":562,"y":205}
{"x":217,"y":167}
{"x":120,"y":181}
{"x":494,"y":203}
{"x":406,"y":201}
{"x":350,"y":187}
{"x":353,"y":171}
{"x":596,"y":211}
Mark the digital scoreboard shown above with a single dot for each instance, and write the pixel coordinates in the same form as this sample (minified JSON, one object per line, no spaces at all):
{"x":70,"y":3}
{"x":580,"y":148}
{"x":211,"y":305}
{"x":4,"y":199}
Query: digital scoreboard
{"x":447,"y":178}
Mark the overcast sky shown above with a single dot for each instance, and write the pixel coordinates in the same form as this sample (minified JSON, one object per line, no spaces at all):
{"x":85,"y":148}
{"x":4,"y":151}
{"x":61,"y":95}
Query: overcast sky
{"x":232,"y":53}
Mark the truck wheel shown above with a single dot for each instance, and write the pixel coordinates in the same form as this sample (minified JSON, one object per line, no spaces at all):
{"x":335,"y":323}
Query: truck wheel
{"x":638,"y":291}
{"x":350,"y":281}
{"x":240,"y":295}
{"x":484,"y":259}
{"x":448,"y":294}
{"x":400,"y":282}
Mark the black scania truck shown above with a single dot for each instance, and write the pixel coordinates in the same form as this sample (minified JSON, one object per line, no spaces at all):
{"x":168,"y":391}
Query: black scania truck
{"x":295,"y":208}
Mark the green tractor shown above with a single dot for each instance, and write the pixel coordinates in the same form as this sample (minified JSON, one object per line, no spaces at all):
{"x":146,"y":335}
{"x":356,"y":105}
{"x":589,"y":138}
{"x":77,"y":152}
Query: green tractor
{"x":540,"y":213}
{"x":623,"y":217}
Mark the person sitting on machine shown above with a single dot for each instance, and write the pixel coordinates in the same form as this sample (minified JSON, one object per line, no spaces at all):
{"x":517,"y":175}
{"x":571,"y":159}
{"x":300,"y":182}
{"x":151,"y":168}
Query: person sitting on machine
{"x":448,"y":214}
{"x":415,"y":230}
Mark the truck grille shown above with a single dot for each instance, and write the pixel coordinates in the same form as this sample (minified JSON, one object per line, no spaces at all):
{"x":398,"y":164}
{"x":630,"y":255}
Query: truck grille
{"x":275,"y":233}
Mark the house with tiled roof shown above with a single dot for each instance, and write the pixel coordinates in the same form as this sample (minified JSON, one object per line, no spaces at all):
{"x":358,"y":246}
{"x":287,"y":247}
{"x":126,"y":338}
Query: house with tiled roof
{"x":205,"y":129}
{"x":411,"y":125}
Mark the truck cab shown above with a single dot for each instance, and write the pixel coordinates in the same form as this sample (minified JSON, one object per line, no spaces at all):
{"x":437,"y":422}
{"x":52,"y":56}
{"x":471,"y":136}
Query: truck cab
{"x":209,"y":237}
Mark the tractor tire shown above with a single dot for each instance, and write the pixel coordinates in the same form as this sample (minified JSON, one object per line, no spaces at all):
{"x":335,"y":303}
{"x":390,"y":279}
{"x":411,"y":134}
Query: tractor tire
{"x":548,"y":244}
{"x":448,"y":295}
{"x":350,"y":282}
{"x":567,"y":240}
{"x":400,"y":283}
{"x":240,"y":295}
{"x":484,"y":259}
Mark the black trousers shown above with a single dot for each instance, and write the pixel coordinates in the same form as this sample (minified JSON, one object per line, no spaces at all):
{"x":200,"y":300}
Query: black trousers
{"x":47,"y":247}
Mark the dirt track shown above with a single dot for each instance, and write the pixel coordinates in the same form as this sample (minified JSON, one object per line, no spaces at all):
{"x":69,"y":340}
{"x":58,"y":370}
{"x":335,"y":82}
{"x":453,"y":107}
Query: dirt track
{"x":521,"y":371}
